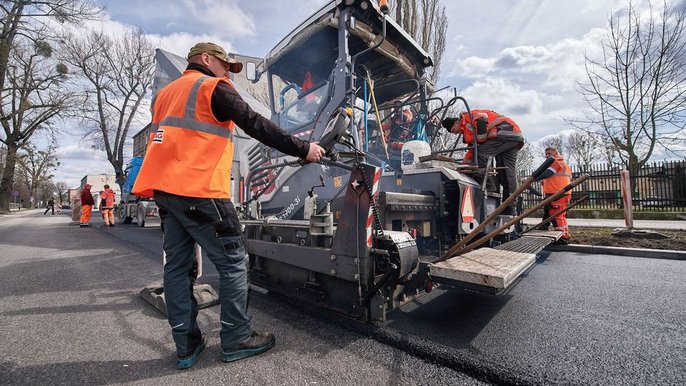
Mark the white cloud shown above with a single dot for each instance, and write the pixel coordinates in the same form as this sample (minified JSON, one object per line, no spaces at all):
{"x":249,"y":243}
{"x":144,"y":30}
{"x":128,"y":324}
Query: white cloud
{"x":520,"y":59}
{"x":224,"y":17}
{"x":78,"y":160}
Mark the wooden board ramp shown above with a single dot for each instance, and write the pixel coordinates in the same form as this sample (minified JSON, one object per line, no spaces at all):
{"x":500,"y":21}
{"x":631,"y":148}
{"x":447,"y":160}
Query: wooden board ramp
{"x":493,"y":270}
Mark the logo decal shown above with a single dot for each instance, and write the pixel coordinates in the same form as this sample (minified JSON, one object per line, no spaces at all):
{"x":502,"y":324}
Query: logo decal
{"x":158,"y":136}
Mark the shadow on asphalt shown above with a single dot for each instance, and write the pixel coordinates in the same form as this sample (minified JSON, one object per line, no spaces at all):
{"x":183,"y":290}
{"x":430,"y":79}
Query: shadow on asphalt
{"x":86,"y":373}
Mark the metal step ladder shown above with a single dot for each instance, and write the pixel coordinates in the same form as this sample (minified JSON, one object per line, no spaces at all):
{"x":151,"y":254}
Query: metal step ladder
{"x":493,"y":270}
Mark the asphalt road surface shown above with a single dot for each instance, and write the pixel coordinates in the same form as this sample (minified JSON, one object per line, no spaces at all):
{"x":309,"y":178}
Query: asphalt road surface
{"x":71,"y":315}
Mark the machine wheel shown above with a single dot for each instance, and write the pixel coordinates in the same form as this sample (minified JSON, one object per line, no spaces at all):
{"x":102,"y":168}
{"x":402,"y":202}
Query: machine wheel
{"x":121,"y":213}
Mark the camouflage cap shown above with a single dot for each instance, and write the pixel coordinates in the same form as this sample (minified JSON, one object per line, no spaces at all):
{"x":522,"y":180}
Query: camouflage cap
{"x":218,"y":52}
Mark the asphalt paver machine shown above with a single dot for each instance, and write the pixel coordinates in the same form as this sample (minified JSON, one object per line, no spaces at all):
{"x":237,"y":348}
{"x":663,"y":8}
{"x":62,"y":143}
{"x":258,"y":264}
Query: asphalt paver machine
{"x":371,"y":226}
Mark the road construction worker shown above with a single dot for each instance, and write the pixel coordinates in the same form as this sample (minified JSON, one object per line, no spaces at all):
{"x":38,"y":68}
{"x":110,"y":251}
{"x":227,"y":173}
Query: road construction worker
{"x":554,"y":179}
{"x":397,"y":129}
{"x":107,"y":205}
{"x":187,"y":170}
{"x":496,"y":136}
{"x":87,"y":203}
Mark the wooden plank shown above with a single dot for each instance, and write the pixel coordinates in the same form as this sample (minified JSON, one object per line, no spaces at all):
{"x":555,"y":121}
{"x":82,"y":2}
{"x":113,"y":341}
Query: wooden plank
{"x":485,"y":266}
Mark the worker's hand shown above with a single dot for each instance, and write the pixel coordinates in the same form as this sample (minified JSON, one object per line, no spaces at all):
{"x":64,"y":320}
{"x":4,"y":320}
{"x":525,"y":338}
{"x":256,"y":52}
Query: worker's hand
{"x":315,"y":153}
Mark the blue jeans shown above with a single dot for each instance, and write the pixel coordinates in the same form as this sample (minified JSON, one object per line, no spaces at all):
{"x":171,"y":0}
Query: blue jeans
{"x":214,"y":225}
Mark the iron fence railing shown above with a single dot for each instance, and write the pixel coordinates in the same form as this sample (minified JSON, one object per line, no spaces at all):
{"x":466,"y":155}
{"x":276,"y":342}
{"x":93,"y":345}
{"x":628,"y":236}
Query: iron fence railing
{"x":658,"y":186}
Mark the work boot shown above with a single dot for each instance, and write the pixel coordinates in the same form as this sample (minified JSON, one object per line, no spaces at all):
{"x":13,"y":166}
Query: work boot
{"x":82,"y":225}
{"x":562,"y":241}
{"x":112,"y":225}
{"x":258,"y":343}
{"x":187,"y":362}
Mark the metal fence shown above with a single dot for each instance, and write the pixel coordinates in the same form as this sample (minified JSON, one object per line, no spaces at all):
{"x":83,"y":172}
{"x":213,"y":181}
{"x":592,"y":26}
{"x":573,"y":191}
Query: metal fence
{"x":658,"y":186}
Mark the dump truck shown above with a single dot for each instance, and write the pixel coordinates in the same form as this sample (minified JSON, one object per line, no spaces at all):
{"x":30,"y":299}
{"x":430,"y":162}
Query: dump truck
{"x":131,"y":206}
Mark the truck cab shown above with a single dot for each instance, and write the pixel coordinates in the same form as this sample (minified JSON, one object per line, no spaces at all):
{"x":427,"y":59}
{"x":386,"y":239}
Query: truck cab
{"x":143,"y":210}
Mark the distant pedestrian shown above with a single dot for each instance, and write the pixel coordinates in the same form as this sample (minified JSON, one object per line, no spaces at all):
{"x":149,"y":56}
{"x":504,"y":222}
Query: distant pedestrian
{"x":51,"y":206}
{"x":107,"y":206}
{"x":87,"y":203}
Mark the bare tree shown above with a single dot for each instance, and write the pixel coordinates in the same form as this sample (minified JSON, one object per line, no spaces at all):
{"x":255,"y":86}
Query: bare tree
{"x":555,"y":141}
{"x":118,"y":73}
{"x":427,"y":23}
{"x":34,"y":94}
{"x":525,"y":158}
{"x":3,"y":153}
{"x":44,"y":192}
{"x":36,"y":166}
{"x":62,"y":190}
{"x":27,"y":20}
{"x":583,"y":149}
{"x":608,"y":150}
{"x":637,"y":91}
{"x":24,"y":111}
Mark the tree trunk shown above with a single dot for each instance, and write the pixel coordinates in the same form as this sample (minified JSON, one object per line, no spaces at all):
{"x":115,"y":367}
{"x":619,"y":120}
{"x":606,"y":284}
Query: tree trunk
{"x":8,"y":176}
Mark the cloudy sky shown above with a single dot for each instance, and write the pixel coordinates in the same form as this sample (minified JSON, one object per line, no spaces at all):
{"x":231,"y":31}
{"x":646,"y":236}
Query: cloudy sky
{"x":520,"y":58}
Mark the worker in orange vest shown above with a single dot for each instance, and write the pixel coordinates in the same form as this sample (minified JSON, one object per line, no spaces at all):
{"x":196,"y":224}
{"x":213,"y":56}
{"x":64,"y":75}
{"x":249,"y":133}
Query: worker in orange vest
{"x":187,"y":170}
{"x":496,"y":136}
{"x":107,"y":206}
{"x":554,"y":179}
{"x":87,"y":203}
{"x":397,"y":129}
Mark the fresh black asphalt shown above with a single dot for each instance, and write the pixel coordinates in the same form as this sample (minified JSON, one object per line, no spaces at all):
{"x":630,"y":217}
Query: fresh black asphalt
{"x":69,"y":304}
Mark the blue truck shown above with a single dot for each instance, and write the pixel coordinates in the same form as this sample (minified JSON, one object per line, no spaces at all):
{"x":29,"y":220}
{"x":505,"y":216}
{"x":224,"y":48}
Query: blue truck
{"x":143,"y":210}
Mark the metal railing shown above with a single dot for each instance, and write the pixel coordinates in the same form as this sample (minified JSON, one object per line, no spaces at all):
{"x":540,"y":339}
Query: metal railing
{"x":658,"y":186}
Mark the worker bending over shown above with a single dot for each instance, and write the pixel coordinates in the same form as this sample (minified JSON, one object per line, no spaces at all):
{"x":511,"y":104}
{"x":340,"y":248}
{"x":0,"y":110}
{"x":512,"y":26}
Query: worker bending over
{"x":496,"y":136}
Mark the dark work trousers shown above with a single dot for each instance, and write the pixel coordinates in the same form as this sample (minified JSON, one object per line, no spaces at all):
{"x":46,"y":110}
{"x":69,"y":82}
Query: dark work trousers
{"x":214,"y":225}
{"x":505,"y":153}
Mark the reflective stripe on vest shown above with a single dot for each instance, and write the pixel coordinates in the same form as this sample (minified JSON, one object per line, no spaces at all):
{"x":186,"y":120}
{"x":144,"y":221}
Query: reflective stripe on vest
{"x":497,"y":126}
{"x":191,"y":123}
{"x":191,"y":152}
{"x":559,"y":179}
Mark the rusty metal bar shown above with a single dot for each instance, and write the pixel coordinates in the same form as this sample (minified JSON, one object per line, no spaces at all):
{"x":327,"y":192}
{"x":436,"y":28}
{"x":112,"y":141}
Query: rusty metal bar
{"x":556,"y":214}
{"x":495,"y":232}
{"x":498,"y":210}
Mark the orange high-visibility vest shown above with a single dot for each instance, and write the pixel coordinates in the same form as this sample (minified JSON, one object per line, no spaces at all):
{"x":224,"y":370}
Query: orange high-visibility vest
{"x":107,"y":198}
{"x":561,"y":178}
{"x":498,"y":126}
{"x":192,"y":152}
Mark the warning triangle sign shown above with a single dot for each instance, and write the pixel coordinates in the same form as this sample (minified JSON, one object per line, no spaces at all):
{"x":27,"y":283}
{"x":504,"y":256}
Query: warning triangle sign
{"x":467,"y":206}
